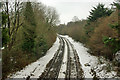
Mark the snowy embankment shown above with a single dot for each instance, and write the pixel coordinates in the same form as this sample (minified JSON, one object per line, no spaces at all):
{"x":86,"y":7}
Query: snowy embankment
{"x":90,"y":62}
{"x":35,"y":69}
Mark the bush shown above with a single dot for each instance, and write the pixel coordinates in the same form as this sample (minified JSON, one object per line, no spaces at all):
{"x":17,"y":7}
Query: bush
{"x":41,"y":46}
{"x":13,"y":61}
{"x":96,"y":40}
{"x":5,"y":36}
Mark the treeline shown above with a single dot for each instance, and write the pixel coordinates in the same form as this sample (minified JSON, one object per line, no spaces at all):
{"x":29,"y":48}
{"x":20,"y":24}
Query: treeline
{"x":28,"y":31}
{"x":100,"y":32}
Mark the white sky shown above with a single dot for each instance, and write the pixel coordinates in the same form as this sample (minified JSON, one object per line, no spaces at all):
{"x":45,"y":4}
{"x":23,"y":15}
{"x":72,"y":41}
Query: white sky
{"x":67,"y":9}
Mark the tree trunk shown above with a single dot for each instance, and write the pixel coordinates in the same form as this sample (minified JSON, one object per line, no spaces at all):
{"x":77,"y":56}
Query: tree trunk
{"x":8,"y":17}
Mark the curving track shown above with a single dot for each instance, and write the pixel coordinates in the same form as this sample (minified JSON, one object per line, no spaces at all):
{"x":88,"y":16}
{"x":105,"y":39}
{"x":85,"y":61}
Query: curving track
{"x":73,"y":68}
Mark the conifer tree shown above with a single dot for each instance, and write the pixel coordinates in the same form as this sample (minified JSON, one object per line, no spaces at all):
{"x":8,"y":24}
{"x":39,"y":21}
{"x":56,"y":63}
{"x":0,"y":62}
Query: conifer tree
{"x":99,"y":11}
{"x":29,"y":28}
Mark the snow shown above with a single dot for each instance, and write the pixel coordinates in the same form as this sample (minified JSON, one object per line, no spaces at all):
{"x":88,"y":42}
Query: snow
{"x":35,"y":69}
{"x":87,"y":61}
{"x":2,"y":48}
{"x":117,"y":56}
{"x":93,"y":61}
{"x":64,"y":64}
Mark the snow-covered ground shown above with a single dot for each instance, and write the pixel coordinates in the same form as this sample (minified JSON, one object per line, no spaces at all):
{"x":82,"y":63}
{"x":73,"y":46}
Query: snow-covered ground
{"x":89,"y":62}
{"x":35,"y":69}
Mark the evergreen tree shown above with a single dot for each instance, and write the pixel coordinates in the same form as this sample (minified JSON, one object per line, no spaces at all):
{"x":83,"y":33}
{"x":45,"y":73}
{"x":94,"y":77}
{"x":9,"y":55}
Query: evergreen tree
{"x":99,"y":11}
{"x":114,"y":42}
{"x":29,"y":29}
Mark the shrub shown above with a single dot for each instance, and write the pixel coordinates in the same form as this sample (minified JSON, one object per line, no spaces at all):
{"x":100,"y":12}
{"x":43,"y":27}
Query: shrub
{"x":96,"y":40}
{"x":5,"y":36}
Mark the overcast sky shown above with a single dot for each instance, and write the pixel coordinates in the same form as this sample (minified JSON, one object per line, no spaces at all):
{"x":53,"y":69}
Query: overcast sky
{"x":67,"y":9}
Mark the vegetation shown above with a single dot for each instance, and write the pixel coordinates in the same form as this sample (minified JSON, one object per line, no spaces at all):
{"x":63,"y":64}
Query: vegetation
{"x":100,"y":32}
{"x":28,"y":31}
{"x":99,"y":11}
{"x":74,"y":29}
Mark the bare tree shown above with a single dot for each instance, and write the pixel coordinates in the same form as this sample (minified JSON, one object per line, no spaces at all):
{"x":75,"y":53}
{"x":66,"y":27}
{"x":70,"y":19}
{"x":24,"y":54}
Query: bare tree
{"x":16,"y":20}
{"x":7,"y":12}
{"x":75,"y":18}
{"x":13,"y":11}
{"x":51,"y":16}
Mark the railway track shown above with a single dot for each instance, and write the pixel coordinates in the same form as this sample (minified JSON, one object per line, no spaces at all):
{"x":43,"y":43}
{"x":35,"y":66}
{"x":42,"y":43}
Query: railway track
{"x":53,"y":67}
{"x":73,"y":68}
